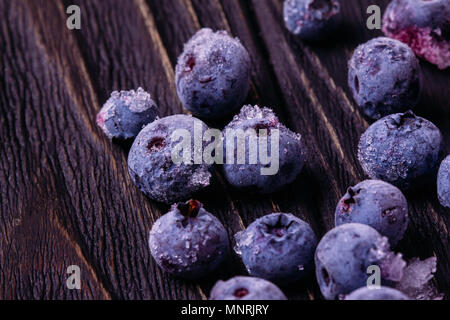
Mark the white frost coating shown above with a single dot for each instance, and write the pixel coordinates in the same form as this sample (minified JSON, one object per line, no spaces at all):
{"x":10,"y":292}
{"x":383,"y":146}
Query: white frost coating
{"x":392,"y":265}
{"x":139,"y":100}
{"x":417,"y":280}
{"x":243,"y":239}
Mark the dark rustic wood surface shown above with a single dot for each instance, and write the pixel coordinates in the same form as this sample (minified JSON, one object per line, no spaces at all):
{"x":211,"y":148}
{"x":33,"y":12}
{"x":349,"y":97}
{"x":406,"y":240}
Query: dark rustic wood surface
{"x":65,"y":194}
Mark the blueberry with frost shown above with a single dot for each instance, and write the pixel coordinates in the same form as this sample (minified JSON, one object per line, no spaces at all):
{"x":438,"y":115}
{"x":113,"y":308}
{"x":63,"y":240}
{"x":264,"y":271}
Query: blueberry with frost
{"x":125,"y":113}
{"x":385,"y":77}
{"x":424,"y":25}
{"x":381,"y":293}
{"x":443,"y":182}
{"x":246,"y":288}
{"x":212,"y":75}
{"x":278,"y":247}
{"x":188,"y":241}
{"x":402,"y":149}
{"x":344,"y":254}
{"x":310,"y":19}
{"x":377,"y":204}
{"x":151,"y":164}
{"x":261,"y":130}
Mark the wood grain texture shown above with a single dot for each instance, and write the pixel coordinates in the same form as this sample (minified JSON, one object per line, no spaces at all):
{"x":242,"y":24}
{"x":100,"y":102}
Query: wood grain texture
{"x":66,"y":197}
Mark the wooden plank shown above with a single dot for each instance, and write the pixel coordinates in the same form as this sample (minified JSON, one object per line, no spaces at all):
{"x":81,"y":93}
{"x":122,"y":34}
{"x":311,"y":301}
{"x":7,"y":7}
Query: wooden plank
{"x":36,"y":246}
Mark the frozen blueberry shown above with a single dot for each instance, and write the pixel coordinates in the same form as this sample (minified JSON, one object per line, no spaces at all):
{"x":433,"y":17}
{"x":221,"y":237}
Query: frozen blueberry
{"x":377,"y":204}
{"x":212,"y":75}
{"x":265,"y":156}
{"x":151,"y":159}
{"x":344,"y":254}
{"x":278,"y":247}
{"x":246,"y":288}
{"x":400,"y":149}
{"x":310,"y":19}
{"x":424,"y":25}
{"x":381,"y":293}
{"x":443,"y":182}
{"x":385,"y":77}
{"x":188,"y":241}
{"x":125,"y":113}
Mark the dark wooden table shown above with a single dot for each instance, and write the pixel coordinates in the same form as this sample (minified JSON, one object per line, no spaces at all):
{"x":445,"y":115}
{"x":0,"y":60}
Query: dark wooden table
{"x":66,"y":197}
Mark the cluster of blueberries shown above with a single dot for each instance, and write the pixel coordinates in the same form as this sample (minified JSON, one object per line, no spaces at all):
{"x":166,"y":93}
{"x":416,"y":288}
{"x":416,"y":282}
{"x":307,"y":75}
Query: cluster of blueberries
{"x":398,"y":152}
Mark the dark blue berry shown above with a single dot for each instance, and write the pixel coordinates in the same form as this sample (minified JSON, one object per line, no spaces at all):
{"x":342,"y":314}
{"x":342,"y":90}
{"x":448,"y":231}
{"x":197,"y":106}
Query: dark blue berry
{"x":151,"y":165}
{"x":401,"y":149}
{"x":125,"y":113}
{"x":212,"y":75}
{"x":246,"y":288}
{"x":344,"y":254}
{"x":260,"y":176}
{"x":443,"y":182}
{"x":278,"y":247}
{"x":385,"y":77}
{"x":377,"y":204}
{"x":188,"y":241}
{"x":423,"y":25}
{"x":381,"y":293}
{"x":310,"y":19}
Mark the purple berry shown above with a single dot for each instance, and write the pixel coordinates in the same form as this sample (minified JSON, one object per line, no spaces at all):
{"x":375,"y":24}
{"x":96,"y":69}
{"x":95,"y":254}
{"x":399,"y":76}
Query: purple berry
{"x":278,"y":247}
{"x":377,"y":204}
{"x":310,"y":19}
{"x":261,"y":176}
{"x":344,"y":254}
{"x":212,"y":75}
{"x":385,"y":77}
{"x":443,"y":182}
{"x":152,"y":168}
{"x":402,"y":149}
{"x":188,"y":241}
{"x":246,"y":288}
{"x":125,"y":113}
{"x":381,"y":293}
{"x":424,"y":25}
